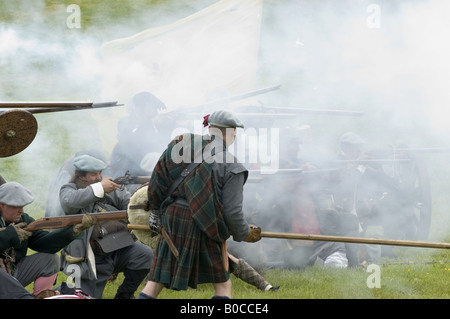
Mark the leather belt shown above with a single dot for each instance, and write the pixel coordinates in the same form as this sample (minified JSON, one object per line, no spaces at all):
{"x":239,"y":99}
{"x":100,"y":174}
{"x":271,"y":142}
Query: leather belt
{"x":181,"y":201}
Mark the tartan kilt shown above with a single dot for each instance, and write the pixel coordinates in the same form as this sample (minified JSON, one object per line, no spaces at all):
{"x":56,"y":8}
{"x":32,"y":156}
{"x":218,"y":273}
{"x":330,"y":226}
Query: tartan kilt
{"x":200,"y":257}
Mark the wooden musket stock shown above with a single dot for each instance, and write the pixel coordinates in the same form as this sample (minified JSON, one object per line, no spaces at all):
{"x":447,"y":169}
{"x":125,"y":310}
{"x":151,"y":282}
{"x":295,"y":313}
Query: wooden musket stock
{"x":68,"y":220}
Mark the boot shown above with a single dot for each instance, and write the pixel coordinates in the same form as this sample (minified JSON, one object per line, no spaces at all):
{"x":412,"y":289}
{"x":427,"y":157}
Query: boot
{"x":248,"y":274}
{"x":133,"y":278}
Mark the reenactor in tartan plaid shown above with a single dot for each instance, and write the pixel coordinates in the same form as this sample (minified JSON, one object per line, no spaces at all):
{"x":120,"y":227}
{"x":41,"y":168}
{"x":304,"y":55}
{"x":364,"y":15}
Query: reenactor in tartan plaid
{"x":202,"y":212}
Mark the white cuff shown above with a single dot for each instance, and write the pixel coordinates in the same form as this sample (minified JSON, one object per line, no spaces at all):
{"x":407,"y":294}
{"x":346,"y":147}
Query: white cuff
{"x":98,"y":190}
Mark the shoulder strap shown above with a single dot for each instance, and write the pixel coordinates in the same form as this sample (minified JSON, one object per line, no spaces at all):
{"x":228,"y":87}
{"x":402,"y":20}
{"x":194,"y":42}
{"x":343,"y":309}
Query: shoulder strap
{"x":180,"y":178}
{"x":172,"y":188}
{"x":188,"y":170}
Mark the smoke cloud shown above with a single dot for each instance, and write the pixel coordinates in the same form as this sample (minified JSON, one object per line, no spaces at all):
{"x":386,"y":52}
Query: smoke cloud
{"x":388,"y":59}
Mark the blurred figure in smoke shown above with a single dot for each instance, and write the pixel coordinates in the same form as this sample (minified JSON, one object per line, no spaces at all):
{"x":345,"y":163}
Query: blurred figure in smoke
{"x":298,"y":201}
{"x":307,"y":199}
{"x":384,"y":195}
{"x":348,"y":205}
{"x":351,"y":147}
{"x":140,"y":136}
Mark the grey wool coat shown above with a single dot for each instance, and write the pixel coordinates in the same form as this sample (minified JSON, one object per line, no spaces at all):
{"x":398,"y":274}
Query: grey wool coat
{"x":80,"y":201}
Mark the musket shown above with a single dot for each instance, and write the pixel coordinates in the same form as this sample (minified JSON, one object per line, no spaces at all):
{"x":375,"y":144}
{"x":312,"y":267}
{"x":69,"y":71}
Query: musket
{"x":71,"y":107}
{"x":297,"y":110}
{"x":195,"y":114}
{"x":373,"y":161}
{"x":239,"y":96}
{"x":272,"y":171}
{"x":40,"y":104}
{"x":344,"y":239}
{"x":254,"y":177}
{"x":36,"y":107}
{"x":201,"y":107}
{"x":68,"y":220}
{"x":422,"y":150}
{"x":56,"y":104}
{"x":130,"y":179}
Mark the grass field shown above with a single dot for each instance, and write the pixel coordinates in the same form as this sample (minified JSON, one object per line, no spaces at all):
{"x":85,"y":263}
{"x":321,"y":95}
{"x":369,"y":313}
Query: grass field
{"x":418,"y":273}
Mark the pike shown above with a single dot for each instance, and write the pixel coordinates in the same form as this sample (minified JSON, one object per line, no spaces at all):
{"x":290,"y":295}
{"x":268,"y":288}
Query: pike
{"x":357,"y":240}
{"x":55,"y":104}
{"x":39,"y":104}
{"x":69,"y":220}
{"x":344,"y":239}
{"x":36,"y":107}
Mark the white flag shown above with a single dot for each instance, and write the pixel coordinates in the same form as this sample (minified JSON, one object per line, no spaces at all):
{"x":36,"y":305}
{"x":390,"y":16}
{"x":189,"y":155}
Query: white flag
{"x":180,"y":63}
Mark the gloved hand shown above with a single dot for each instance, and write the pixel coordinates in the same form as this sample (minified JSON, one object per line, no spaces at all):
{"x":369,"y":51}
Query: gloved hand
{"x":86,"y":222}
{"x":22,"y":233}
{"x":254,"y":235}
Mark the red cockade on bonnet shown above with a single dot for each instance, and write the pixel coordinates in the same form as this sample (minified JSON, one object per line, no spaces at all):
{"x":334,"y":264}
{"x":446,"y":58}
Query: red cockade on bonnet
{"x":205,"y":120}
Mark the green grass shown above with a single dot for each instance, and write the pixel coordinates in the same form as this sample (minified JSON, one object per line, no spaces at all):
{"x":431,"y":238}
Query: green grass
{"x":418,"y":280}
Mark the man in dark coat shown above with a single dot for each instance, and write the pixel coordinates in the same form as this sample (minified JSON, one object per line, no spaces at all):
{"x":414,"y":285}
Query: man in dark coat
{"x":202,"y":213}
{"x":43,"y":266}
{"x":139,"y":135}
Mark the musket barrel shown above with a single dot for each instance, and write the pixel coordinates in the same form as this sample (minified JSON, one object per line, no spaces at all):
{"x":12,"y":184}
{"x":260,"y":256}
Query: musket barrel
{"x":18,"y":104}
{"x":314,"y":111}
{"x":191,"y":111}
{"x":423,"y":149}
{"x":68,"y":107}
{"x":240,"y":96}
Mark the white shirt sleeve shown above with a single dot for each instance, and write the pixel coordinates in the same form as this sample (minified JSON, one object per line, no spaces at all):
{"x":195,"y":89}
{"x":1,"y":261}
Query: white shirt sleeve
{"x":98,"y":190}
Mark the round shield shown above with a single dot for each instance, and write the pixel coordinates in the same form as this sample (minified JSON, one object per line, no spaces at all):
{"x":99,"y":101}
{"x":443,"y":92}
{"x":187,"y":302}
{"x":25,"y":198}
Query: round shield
{"x":139,"y":216}
{"x":17,"y":130}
